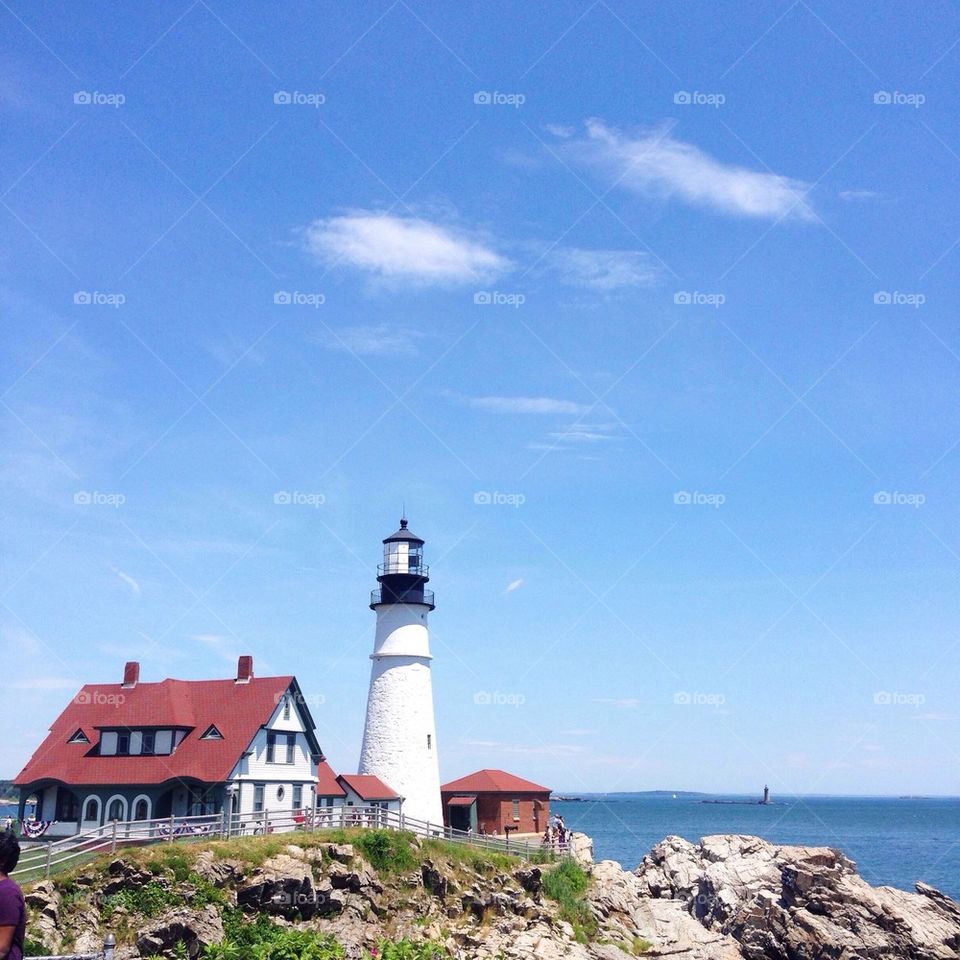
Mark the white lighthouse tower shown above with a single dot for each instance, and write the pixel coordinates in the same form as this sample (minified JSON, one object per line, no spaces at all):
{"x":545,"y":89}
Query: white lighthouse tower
{"x":399,"y":737}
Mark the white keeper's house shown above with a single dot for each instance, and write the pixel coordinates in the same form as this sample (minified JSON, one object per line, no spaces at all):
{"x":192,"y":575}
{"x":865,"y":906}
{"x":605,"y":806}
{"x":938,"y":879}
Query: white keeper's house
{"x":177,"y":748}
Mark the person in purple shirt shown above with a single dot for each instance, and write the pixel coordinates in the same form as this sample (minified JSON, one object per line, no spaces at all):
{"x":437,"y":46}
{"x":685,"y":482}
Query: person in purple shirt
{"x":13,"y":913}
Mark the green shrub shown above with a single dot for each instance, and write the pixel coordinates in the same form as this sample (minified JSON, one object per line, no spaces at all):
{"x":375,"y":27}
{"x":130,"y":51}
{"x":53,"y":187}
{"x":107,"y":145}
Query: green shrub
{"x":387,"y":850}
{"x":148,"y":900}
{"x":405,"y":950}
{"x":566,"y":884}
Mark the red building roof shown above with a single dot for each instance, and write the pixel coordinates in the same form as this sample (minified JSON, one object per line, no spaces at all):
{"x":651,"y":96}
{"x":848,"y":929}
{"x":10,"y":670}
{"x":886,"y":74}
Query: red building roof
{"x":461,"y":801}
{"x":368,"y":787}
{"x":492,"y":781}
{"x":238,"y":710}
{"x":327,"y":783}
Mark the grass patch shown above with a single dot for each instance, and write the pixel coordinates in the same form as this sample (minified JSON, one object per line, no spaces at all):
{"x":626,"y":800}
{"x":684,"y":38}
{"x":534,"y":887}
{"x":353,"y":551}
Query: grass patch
{"x":483,"y":861}
{"x":566,"y":884}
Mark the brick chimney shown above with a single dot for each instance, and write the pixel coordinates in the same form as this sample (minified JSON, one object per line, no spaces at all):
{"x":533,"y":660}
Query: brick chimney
{"x":244,"y":669}
{"x":131,"y":674}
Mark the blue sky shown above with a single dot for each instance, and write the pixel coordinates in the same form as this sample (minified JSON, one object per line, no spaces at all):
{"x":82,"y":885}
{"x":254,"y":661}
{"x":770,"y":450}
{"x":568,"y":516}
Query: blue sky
{"x":645,"y":311}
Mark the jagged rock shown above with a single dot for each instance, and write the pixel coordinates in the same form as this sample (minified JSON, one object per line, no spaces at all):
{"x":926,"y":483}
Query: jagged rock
{"x":433,"y":880}
{"x":43,"y":903}
{"x":581,"y":849}
{"x":216,"y":871}
{"x":126,"y":875}
{"x":531,"y":880}
{"x":196,"y":929}
{"x":788,"y":903}
{"x":354,"y":879}
{"x":341,"y":852}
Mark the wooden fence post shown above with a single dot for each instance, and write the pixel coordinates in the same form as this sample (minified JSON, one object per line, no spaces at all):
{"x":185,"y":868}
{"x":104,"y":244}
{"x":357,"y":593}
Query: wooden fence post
{"x":171,"y":828}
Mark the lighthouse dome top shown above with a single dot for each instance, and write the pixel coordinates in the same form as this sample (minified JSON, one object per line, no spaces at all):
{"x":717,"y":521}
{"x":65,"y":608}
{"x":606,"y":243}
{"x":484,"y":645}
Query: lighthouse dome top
{"x":403,"y":534}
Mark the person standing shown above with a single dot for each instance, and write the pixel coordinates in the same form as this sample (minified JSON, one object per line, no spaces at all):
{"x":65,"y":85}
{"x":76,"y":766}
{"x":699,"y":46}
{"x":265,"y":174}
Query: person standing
{"x":13,"y":911}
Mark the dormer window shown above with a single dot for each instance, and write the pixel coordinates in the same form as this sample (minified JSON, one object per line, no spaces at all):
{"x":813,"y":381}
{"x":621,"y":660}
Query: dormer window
{"x":211,"y":733}
{"x":79,"y":737}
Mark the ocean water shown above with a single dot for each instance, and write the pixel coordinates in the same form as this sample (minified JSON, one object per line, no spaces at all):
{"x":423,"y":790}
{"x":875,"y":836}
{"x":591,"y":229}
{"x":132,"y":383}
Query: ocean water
{"x":894,"y":842}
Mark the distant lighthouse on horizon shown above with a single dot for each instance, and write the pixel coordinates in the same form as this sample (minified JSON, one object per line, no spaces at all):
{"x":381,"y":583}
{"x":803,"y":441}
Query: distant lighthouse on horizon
{"x":399,"y":735}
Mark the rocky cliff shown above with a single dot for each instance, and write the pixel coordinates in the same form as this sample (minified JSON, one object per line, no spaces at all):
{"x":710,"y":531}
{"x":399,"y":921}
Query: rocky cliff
{"x":727,"y":897}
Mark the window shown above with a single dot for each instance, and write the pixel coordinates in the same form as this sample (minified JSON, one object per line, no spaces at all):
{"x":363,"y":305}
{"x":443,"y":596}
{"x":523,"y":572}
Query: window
{"x":117,"y":809}
{"x":91,"y":810}
{"x":67,"y":807}
{"x":429,"y":741}
{"x":147,"y":743}
{"x":258,"y":798}
{"x":141,"y":809}
{"x":211,"y":733}
{"x":297,"y":796}
{"x":79,"y":737}
{"x":516,"y":810}
{"x":108,"y":743}
{"x":281,"y":793}
{"x":123,"y":744}
{"x":291,"y":741}
{"x":163,"y":742}
{"x":286,"y":707}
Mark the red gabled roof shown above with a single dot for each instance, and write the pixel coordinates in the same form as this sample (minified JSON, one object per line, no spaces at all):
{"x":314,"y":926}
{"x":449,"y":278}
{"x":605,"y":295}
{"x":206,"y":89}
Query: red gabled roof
{"x":492,"y":781}
{"x":237,"y":709}
{"x":368,"y":787}
{"x":327,"y":784}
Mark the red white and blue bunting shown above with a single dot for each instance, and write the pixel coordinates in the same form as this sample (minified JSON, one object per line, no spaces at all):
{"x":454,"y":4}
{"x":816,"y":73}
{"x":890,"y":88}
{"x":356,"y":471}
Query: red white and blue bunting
{"x":32,"y":829}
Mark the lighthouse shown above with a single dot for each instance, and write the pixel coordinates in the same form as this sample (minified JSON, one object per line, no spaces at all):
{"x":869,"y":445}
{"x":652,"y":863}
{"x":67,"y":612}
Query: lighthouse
{"x":399,"y":736}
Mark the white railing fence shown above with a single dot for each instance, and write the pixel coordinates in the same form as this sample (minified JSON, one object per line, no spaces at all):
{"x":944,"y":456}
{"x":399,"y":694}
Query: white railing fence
{"x":42,"y":859}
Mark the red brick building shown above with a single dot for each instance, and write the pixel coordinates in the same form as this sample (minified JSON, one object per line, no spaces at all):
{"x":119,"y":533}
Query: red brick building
{"x":495,"y":802}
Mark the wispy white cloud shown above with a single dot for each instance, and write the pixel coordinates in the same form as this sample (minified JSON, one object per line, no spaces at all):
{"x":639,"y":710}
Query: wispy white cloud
{"x":514,"y":585}
{"x":534,"y":405}
{"x":602,"y":270}
{"x":653,"y":163}
{"x":377,"y":340}
{"x":403,"y":248}
{"x":128,"y":580}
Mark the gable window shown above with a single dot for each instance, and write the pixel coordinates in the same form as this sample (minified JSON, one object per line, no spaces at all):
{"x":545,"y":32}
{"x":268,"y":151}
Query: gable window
{"x":211,"y":733}
{"x":258,"y":798}
{"x":429,"y":741}
{"x":289,"y":739}
{"x":79,"y":737}
{"x":286,"y":707}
